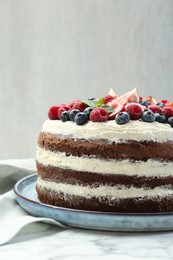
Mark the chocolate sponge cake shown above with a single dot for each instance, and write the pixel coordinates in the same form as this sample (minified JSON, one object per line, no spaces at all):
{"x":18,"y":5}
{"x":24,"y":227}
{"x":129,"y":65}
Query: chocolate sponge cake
{"x":105,"y":164}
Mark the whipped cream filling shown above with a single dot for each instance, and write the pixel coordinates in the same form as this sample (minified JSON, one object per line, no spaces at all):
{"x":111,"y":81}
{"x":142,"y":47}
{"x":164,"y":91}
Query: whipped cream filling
{"x":116,"y":192}
{"x":111,"y":131}
{"x":151,"y":168}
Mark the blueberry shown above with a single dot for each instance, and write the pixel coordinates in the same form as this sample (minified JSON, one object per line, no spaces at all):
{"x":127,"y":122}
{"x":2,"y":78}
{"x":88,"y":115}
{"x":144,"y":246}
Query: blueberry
{"x":92,"y":98}
{"x":81,"y":118}
{"x":87,"y":111}
{"x":73,"y":113}
{"x":122,"y":118}
{"x":160,"y":118}
{"x":65,"y":116}
{"x":144,"y":103}
{"x":160,"y":104}
{"x":148,"y":116}
{"x":170,"y":121}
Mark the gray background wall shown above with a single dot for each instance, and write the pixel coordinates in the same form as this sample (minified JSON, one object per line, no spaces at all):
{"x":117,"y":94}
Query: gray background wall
{"x":54,"y":51}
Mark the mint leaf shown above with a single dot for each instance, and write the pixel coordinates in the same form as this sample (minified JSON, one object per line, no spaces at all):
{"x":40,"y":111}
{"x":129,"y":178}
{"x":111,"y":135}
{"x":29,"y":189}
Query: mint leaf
{"x":100,"y":102}
{"x":108,"y":108}
{"x":90,"y":103}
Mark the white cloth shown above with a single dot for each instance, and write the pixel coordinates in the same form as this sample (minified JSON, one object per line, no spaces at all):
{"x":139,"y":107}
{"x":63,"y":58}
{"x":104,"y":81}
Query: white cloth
{"x":12,"y":217}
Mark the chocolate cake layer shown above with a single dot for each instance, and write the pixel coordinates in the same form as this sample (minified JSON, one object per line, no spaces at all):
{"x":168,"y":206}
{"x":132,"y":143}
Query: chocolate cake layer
{"x":56,"y":174}
{"x":132,"y":205}
{"x":130,"y":150}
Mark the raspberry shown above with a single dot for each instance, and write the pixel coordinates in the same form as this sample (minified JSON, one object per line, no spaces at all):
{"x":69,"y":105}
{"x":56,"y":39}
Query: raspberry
{"x":164,"y":101}
{"x":99,"y":115}
{"x":53,"y":113}
{"x":155,"y":109}
{"x":63,"y":108}
{"x":79,"y":105}
{"x":73,"y":102}
{"x":134,"y":110}
{"x":107,"y":99}
{"x":167,"y":111}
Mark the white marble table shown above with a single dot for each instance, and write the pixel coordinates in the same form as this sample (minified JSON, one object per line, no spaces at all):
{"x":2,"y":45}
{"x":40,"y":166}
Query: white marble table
{"x":43,"y":241}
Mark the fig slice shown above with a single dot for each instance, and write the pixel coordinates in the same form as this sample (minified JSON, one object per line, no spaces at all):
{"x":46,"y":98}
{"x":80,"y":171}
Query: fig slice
{"x":131,"y":96}
{"x":118,"y":108}
{"x":112,"y":93}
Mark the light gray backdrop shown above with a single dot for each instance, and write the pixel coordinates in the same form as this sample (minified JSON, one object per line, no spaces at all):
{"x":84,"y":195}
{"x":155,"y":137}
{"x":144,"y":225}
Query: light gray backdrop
{"x":54,"y":51}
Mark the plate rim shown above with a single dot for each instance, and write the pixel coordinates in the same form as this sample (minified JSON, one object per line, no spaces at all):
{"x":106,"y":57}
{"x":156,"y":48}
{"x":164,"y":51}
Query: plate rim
{"x":34,"y":175}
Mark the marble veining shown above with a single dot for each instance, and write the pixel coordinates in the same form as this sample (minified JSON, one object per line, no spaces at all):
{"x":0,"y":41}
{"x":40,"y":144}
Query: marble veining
{"x":54,"y":243}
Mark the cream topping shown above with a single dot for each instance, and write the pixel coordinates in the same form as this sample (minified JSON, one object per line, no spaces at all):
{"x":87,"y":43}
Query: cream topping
{"x":111,"y":131}
{"x":151,"y":168}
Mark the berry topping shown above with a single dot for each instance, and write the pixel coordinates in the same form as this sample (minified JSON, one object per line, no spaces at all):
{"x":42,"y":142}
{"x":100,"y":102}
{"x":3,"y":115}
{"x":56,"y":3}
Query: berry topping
{"x":122,"y":118}
{"x":164,"y":101}
{"x":150,"y":100}
{"x":169,"y":103}
{"x":53,"y":113}
{"x":129,"y":106}
{"x":167,"y":111}
{"x":155,"y":108}
{"x":93,"y":98}
{"x":107,"y":99}
{"x":160,"y":118}
{"x":134,"y":110}
{"x":81,"y":118}
{"x":99,"y":115}
{"x":160,"y":104}
{"x":87,"y":111}
{"x":170,"y":121}
{"x":73,"y":102}
{"x":79,"y":105}
{"x":144,"y":103}
{"x":63,"y":108}
{"x":73,"y":113}
{"x":65,"y":116}
{"x":148,"y":116}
